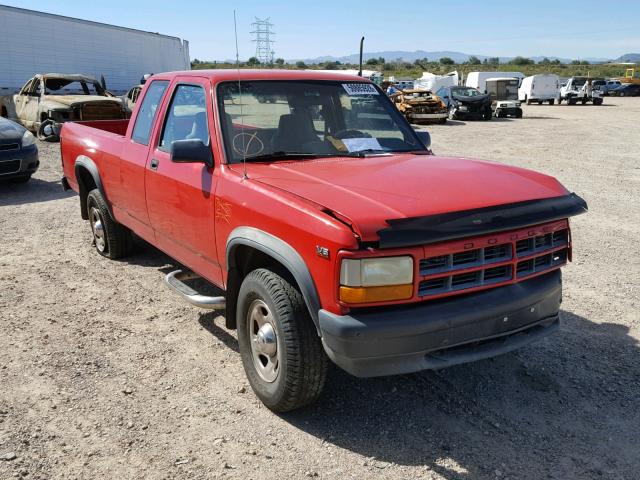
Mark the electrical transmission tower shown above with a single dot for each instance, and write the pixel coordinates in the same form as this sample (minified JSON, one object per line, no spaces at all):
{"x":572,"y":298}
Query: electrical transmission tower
{"x":262,"y":34}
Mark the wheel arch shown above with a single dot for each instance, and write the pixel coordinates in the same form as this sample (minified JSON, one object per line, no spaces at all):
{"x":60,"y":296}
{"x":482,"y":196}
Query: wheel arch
{"x":88,"y":178}
{"x":249,"y":248}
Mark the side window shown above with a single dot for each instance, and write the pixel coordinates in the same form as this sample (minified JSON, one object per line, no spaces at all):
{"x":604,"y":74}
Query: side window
{"x":186,"y":117}
{"x":147,"y":112}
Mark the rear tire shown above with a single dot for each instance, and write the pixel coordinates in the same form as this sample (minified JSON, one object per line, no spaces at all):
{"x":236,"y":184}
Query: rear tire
{"x":539,"y":102}
{"x":552,"y":101}
{"x":111,"y":239}
{"x":488,"y":113}
{"x":281,"y":352}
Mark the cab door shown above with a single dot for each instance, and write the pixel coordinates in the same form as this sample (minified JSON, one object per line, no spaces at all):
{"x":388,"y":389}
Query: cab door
{"x":27,"y":103}
{"x":180,"y":196}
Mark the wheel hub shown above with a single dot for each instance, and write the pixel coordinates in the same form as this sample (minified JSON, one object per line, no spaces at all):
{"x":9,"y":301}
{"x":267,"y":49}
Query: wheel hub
{"x":98,"y":229}
{"x":264,"y":341}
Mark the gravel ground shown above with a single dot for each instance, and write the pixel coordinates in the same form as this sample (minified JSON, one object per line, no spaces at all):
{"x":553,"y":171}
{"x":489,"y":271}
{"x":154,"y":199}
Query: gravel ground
{"x":105,"y":374}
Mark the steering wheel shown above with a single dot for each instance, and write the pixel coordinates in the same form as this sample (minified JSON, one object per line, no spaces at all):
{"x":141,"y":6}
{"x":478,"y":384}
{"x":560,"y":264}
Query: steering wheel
{"x":342,"y":134}
{"x":247,"y":147}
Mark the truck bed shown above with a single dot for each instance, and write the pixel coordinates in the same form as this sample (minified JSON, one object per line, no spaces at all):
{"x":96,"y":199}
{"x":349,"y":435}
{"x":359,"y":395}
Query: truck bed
{"x":118,"y":127}
{"x":100,"y":140}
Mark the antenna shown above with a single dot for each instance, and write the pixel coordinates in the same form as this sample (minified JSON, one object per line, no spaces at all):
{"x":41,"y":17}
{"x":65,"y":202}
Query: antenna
{"x":244,"y":148}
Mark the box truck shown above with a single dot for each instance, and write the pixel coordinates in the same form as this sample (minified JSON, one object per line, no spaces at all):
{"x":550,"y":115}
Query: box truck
{"x":539,"y":88}
{"x":479,"y":79}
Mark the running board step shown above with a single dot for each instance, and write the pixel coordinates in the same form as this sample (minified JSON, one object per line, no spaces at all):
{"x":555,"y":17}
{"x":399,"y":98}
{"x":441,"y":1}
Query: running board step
{"x":175,"y":281}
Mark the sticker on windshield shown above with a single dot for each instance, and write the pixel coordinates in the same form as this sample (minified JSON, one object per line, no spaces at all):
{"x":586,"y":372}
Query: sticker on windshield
{"x":360,"y":89}
{"x":361,"y":144}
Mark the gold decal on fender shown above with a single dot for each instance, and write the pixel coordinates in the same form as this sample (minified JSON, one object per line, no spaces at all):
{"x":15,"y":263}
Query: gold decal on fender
{"x":223,"y":211}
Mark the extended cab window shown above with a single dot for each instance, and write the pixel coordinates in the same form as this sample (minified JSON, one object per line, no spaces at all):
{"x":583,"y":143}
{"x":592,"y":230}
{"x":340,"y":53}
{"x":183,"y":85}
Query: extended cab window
{"x":186,"y":117}
{"x":147,"y":112}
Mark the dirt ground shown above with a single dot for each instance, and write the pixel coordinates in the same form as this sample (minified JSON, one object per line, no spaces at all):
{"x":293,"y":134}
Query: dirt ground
{"x":106,"y":374}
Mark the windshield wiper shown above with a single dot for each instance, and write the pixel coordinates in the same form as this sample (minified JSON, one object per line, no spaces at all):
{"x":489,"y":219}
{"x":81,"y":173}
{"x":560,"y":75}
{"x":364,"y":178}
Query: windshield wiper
{"x":283,"y":155}
{"x":365,"y":152}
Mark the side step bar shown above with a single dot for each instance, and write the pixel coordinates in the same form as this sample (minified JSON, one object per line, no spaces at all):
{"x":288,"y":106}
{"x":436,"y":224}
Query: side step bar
{"x":175,"y":281}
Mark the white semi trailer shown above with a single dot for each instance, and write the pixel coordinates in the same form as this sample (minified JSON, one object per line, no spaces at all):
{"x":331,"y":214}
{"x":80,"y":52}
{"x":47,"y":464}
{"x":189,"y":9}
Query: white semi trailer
{"x":36,"y":42}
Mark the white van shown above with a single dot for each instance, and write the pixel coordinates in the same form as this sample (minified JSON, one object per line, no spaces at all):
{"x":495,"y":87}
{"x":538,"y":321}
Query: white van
{"x":539,"y":88}
{"x":479,"y":79}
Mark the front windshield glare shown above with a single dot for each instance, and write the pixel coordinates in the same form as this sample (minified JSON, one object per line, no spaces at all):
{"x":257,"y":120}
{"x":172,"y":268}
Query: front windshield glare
{"x":269,"y":120}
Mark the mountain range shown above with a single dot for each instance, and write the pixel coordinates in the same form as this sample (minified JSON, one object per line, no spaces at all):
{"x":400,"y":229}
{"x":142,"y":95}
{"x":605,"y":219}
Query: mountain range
{"x":458,"y":57}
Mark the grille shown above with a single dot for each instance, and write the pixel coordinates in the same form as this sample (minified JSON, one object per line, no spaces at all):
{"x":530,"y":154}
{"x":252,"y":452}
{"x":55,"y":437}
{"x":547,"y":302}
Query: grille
{"x":540,"y":243}
{"x":466,"y":259}
{"x":101,"y":111}
{"x":495,"y":264}
{"x":9,"y":166}
{"x":9,"y":146}
{"x":461,"y":281}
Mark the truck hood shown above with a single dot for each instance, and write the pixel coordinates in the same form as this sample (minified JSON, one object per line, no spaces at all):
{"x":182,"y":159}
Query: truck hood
{"x":72,"y":100}
{"x":366,"y":192}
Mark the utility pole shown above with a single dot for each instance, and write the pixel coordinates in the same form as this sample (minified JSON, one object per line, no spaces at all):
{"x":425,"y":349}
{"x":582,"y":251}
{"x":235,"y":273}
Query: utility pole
{"x":262,"y":34}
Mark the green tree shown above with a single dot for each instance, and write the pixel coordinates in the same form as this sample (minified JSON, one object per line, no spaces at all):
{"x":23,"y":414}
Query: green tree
{"x":473,"y":60}
{"x":522,"y":61}
{"x":253,"y":61}
{"x":372,"y":61}
{"x":447,"y":61}
{"x":279,"y":61}
{"x":301,"y":64}
{"x":493,"y":60}
{"x":544,"y":61}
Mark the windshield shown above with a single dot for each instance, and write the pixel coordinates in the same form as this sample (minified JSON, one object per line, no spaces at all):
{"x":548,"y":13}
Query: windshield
{"x":465,"y":92}
{"x":267,"y":120}
{"x":63,"y":86}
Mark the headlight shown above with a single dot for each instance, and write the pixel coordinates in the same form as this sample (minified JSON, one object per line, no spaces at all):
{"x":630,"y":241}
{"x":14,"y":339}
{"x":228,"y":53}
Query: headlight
{"x":28,"y":139}
{"x":376,"y":279}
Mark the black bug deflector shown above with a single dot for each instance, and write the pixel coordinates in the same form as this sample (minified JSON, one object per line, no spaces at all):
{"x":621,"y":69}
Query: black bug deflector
{"x":407,"y":232}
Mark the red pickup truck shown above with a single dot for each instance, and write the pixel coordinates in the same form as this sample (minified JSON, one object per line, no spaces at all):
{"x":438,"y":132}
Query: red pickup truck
{"x":331,"y":227}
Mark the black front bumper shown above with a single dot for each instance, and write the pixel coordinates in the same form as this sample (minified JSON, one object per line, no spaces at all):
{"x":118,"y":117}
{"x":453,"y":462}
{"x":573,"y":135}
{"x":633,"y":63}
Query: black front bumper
{"x":443,"y":333}
{"x":18,"y":162}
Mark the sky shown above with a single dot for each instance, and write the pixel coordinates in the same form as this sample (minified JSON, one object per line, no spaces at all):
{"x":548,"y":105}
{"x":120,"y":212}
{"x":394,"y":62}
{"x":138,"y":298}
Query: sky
{"x":305,"y":29}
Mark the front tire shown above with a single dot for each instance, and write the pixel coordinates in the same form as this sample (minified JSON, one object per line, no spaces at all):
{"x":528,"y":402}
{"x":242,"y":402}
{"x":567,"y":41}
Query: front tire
{"x":281,"y":352}
{"x":111,"y":239}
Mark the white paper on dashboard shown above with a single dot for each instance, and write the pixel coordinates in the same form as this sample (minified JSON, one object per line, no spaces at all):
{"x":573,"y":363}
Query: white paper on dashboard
{"x":358,"y":144}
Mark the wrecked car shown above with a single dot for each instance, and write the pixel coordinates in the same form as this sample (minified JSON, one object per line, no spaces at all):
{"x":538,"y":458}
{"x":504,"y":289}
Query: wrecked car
{"x":48,"y":100}
{"x":420,"y":106}
{"x":466,"y":102}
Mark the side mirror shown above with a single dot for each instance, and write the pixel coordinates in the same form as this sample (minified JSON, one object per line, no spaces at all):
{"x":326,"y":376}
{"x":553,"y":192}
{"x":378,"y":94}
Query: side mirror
{"x":425,"y":138}
{"x":191,"y":151}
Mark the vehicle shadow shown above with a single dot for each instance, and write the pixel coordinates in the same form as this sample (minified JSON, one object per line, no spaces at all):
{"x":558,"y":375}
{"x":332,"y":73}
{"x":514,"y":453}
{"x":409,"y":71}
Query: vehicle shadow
{"x":34,"y":191}
{"x":565,"y":407}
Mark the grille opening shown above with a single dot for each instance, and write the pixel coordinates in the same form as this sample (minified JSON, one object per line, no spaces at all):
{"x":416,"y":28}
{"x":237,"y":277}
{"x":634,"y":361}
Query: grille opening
{"x":559,"y":257}
{"x":9,"y":166}
{"x":463,"y":279}
{"x":499,"y":251}
{"x":9,"y":146}
{"x":542,"y":241}
{"x":434,"y":263}
{"x":523,"y":246}
{"x":497,"y":273}
{"x":433,"y":284}
{"x":560,"y":237}
{"x":542,"y":261}
{"x":524,"y":267}
{"x":461,"y":258}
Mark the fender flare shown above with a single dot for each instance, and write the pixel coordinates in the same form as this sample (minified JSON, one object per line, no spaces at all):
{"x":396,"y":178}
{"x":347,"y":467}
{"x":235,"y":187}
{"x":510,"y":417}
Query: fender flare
{"x":84,"y":162}
{"x":282,"y":252}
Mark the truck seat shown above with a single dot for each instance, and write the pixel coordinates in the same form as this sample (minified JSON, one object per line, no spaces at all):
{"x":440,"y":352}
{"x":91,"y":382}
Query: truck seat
{"x":294,"y":131}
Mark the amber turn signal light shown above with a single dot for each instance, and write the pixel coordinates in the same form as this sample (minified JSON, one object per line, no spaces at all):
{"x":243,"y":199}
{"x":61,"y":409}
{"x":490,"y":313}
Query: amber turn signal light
{"x":388,"y":293}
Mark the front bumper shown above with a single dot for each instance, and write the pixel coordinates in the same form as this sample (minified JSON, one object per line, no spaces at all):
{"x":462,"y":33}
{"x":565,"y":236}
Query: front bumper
{"x":429,"y":116}
{"x":19,"y":162}
{"x":444,"y":332}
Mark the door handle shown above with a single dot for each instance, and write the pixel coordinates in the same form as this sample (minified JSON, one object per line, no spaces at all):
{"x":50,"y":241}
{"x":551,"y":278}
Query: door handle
{"x":154,"y":164}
